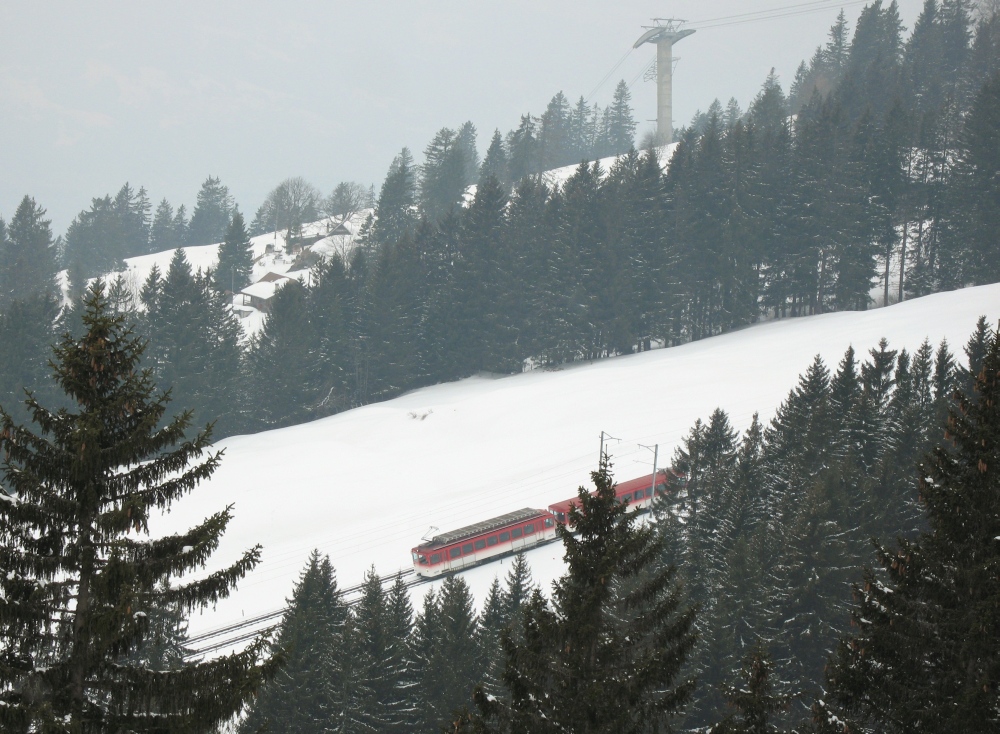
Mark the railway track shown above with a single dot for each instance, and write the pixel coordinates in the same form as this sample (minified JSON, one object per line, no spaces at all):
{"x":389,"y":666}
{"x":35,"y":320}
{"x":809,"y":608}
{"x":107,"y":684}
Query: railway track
{"x":252,"y":627}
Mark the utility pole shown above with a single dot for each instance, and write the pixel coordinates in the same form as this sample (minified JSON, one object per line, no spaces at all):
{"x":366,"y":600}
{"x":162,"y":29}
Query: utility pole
{"x":605,"y":434}
{"x":655,"y":448}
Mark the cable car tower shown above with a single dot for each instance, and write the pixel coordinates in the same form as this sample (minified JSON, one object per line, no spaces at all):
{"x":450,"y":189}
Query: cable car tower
{"x":664,"y":34}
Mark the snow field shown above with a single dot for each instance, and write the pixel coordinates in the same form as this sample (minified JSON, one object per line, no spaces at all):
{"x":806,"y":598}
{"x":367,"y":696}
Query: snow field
{"x":365,"y":485}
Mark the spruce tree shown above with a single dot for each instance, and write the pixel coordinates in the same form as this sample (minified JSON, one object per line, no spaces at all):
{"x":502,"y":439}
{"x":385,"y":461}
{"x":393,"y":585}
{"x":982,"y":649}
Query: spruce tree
{"x":302,"y":697}
{"x":925,"y":632}
{"x":78,"y":577}
{"x":211,"y":215}
{"x":235,"y":267}
{"x":27,"y":258}
{"x":754,"y":698}
{"x":605,"y":655}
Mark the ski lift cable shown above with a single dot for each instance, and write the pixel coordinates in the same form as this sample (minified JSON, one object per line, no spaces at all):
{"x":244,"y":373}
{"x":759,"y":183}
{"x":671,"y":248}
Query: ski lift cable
{"x":813,"y":6}
{"x":703,"y":25}
{"x":608,"y":75}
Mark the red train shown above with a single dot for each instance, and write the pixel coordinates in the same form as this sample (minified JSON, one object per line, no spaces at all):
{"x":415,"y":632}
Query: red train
{"x":516,"y":531}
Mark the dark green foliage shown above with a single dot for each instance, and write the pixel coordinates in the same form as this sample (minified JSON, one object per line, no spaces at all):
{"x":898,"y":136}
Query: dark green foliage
{"x":769,"y":531}
{"x":446,"y":664}
{"x":281,"y":366}
{"x":235,"y":257}
{"x":26,"y":333}
{"x":211,"y":215}
{"x":303,"y":696}
{"x":753,"y":697}
{"x":923,"y":645}
{"x":83,"y":489}
{"x":99,"y":240}
{"x":445,"y":173}
{"x":194,"y":340}
{"x":27,"y":255}
{"x":394,"y":209}
{"x":163,"y":232}
{"x":495,"y":162}
{"x":605,"y":655}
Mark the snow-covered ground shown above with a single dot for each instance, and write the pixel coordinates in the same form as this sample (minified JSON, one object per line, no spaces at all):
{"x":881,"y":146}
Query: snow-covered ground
{"x":365,"y":485}
{"x":269,"y":253}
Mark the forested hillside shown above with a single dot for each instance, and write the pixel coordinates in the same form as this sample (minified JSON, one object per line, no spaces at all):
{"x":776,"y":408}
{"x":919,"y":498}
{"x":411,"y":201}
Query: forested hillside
{"x":874,"y":171}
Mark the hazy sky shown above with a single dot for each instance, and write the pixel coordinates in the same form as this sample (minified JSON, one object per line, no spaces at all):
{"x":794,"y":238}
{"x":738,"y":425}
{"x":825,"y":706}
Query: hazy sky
{"x":162,"y":95}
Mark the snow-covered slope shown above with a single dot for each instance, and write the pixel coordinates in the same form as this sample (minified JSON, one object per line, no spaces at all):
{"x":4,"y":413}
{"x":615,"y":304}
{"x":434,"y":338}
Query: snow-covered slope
{"x":365,"y":485}
{"x":269,"y":253}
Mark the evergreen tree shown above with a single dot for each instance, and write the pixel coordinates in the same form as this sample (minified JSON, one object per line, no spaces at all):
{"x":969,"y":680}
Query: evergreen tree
{"x":554,"y":134}
{"x":976,"y":207}
{"x":162,"y":234}
{"x":446,"y":661}
{"x":302,"y":697}
{"x":443,"y":177}
{"x":619,"y":134}
{"x":394,"y":209}
{"x":28,"y":258}
{"x":280,"y":363}
{"x":605,"y":655}
{"x":181,"y":226}
{"x":755,"y":701}
{"x":76,"y":582}
{"x":211,"y":215}
{"x":922,"y":651}
{"x":235,"y":268}
{"x":495,"y":161}
{"x":522,"y":149}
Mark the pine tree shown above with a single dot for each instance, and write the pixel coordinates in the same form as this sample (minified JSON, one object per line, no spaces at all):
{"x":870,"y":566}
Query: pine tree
{"x":554,"y":134}
{"x":28,"y":258}
{"x":78,"y":576}
{"x":755,"y":701}
{"x":394,"y":210}
{"x":449,"y":675}
{"x":235,"y":268}
{"x":522,"y":149}
{"x":495,"y":161}
{"x":162,"y":234}
{"x":211,"y":215}
{"x":620,"y":133}
{"x":605,"y":655}
{"x":924,"y":641}
{"x":303,"y":696}
{"x":443,"y":175}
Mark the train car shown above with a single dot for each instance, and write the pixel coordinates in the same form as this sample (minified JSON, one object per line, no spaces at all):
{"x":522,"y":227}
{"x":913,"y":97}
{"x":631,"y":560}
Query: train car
{"x":477,"y":543}
{"x":637,"y":493}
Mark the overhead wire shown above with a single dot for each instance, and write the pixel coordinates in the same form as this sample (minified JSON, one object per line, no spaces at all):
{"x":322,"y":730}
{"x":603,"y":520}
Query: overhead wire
{"x":756,"y":16}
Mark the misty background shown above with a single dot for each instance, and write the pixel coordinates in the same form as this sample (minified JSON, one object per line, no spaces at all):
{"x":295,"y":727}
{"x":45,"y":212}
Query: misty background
{"x":163,"y":96}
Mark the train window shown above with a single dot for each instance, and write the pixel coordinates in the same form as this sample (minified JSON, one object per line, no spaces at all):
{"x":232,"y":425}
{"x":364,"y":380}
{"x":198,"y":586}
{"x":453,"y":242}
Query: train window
{"x":422,"y":560}
{"x":529,"y":528}
{"x":548,"y":522}
{"x":649,"y":491}
{"x":436,"y":558}
{"x":516,"y":533}
{"x":504,"y":537}
{"x":491,"y":541}
{"x":467,"y":548}
{"x":455,"y":552}
{"x":480,"y":544}
{"x":561,"y":516}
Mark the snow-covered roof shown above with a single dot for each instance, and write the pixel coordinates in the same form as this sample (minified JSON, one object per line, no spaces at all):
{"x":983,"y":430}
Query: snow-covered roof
{"x":264,"y":289}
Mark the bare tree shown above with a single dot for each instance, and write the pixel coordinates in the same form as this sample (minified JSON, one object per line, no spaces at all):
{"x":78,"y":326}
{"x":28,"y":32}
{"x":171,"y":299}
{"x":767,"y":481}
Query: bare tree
{"x":346,"y":200}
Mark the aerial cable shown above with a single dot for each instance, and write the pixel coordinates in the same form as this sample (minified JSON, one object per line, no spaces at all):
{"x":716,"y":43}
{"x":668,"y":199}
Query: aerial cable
{"x":810,"y":7}
{"x":775,"y":14}
{"x":608,"y":75}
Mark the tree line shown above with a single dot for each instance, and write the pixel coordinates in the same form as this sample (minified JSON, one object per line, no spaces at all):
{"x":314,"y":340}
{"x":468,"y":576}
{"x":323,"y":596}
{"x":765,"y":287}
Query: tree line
{"x":748,"y":603}
{"x":874,"y":171}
